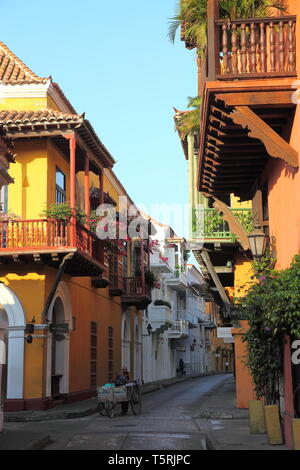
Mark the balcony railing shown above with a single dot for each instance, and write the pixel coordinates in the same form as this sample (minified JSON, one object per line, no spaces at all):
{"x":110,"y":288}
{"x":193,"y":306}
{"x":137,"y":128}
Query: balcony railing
{"x":188,"y":316}
{"x":250,"y":48}
{"x":47,"y":234}
{"x":133,"y":286}
{"x":178,"y":330}
{"x":209,"y":223}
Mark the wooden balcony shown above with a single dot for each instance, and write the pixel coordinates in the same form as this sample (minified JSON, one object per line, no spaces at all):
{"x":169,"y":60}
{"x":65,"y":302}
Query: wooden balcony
{"x":116,"y":287}
{"x":247,"y":86}
{"x":47,"y":241}
{"x":135,"y":293}
{"x":251,"y":49}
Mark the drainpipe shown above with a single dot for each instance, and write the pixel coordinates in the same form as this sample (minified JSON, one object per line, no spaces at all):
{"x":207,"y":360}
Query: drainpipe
{"x":62,"y":267}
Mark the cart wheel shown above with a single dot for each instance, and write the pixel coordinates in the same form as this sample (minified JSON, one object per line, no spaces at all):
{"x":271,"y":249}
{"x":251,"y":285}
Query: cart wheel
{"x":102,"y":409}
{"x":136,"y":403}
{"x":110,"y":409}
{"x":124,"y":407}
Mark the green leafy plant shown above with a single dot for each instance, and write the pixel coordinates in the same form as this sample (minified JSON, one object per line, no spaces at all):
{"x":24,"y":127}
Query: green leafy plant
{"x":63,"y":212}
{"x":150,"y":279}
{"x":213,"y":223}
{"x":272,"y":308}
{"x":191,"y":17}
{"x":189,"y":121}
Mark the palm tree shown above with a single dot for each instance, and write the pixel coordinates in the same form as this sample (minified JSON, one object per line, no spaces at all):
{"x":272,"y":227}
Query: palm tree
{"x":189,"y":121}
{"x":191,"y":16}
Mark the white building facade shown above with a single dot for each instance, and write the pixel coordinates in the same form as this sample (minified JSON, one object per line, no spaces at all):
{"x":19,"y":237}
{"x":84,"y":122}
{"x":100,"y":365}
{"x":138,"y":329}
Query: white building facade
{"x":175,"y":324}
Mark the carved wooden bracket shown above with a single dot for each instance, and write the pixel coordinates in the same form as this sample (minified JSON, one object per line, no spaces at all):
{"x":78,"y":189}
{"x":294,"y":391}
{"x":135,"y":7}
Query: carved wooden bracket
{"x":275,"y":145}
{"x":235,"y":225}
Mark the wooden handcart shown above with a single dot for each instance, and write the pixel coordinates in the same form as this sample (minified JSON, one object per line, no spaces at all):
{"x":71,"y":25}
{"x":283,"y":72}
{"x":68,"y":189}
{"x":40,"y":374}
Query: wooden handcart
{"x":124,"y":395}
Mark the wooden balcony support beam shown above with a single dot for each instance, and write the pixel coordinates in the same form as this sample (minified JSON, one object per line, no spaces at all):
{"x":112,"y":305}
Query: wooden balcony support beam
{"x":275,"y":145}
{"x":257,"y":98}
{"x":87,"y":201}
{"x":72,"y":146}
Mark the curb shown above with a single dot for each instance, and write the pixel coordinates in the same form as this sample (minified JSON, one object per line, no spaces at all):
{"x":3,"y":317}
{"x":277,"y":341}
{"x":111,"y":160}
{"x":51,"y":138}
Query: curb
{"x":38,"y":417}
{"x":223,"y":414}
{"x":211,"y":442}
{"x":33,"y":416}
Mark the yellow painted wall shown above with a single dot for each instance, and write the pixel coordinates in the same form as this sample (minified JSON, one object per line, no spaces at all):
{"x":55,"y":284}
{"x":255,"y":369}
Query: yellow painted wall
{"x":27,"y":196}
{"x":28,"y":283}
{"x":242,"y":275}
{"x":23,"y":104}
{"x":56,"y":160}
{"x":29,"y":104}
{"x":240,"y":205}
{"x":51,"y":104}
{"x":244,"y":384}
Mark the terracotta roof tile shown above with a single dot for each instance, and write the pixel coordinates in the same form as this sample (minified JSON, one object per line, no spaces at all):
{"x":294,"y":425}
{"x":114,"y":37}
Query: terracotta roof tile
{"x":11,"y":118}
{"x":14,"y":71}
{"x":18,"y":123}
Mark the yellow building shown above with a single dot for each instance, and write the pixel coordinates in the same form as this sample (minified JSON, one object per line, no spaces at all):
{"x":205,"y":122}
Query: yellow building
{"x":69,"y":302}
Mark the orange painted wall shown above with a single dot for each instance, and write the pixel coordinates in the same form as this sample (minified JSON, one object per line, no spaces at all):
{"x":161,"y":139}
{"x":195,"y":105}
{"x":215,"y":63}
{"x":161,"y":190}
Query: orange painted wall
{"x":284,"y":184}
{"x":244,"y":384}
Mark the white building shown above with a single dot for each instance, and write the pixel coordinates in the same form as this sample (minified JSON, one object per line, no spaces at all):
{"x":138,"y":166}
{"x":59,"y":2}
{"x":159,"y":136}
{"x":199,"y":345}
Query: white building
{"x":176,"y":318}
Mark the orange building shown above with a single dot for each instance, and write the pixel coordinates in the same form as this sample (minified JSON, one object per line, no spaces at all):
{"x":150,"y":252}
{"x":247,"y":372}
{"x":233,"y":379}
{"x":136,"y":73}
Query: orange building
{"x":69,"y":302}
{"x":249,"y":145}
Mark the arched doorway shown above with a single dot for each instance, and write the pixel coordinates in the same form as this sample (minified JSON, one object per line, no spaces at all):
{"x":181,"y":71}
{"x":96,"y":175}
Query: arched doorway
{"x":126,"y":340}
{"x":58,"y":349}
{"x":12,"y":317}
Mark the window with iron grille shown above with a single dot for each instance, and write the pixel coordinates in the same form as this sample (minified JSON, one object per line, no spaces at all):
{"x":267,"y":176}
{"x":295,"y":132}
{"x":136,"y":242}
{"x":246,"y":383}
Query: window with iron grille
{"x":110,"y":364}
{"x":60,"y":194}
{"x":93,"y":354}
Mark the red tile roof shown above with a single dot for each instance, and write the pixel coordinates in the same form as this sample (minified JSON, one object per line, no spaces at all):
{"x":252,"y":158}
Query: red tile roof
{"x":46,"y":117}
{"x":14,"y":71}
{"x":21,"y":123}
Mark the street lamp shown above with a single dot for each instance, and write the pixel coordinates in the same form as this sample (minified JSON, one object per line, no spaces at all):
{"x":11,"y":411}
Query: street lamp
{"x":258,"y":242}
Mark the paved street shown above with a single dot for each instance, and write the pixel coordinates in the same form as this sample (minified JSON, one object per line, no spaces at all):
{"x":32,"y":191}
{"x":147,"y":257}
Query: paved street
{"x":168,"y":422}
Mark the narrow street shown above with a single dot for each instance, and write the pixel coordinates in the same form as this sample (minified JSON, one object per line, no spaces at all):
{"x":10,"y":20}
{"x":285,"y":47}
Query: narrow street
{"x":168,"y":422}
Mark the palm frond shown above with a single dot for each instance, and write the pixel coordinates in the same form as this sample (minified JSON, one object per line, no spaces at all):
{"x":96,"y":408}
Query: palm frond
{"x":174,"y":25}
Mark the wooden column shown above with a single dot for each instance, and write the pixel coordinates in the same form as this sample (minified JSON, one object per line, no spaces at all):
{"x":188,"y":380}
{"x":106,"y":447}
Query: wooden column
{"x":101,"y":187}
{"x":142,"y":260}
{"x":87,"y":201}
{"x":72,"y":146}
{"x":213,"y":39}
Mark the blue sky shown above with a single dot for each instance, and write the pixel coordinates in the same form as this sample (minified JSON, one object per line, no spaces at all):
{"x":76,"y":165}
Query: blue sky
{"x":114,"y":62}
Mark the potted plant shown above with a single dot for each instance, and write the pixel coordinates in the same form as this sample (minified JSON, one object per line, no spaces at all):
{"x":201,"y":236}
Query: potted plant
{"x":150,"y":279}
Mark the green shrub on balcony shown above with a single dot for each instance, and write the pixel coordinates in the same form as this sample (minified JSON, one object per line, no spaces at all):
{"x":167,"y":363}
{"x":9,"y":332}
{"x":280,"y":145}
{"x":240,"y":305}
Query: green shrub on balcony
{"x":63,"y":212}
{"x":150,"y":279}
{"x":213,"y":224}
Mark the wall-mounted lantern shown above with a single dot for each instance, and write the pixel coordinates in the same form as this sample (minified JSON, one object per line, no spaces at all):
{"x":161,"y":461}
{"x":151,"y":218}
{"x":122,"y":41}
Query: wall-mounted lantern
{"x":258,"y":243}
